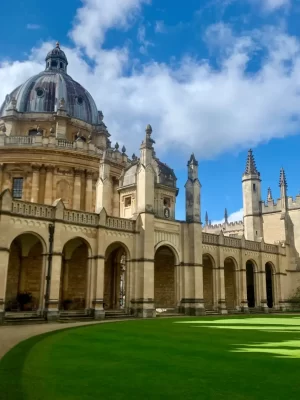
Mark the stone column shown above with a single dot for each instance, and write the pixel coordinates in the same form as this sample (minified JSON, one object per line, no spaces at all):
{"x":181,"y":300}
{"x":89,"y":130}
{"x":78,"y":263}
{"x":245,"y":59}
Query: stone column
{"x":49,"y":185}
{"x":53,"y":302}
{"x":222,"y":296}
{"x":35,"y":183}
{"x":4,"y":259}
{"x":243,"y":290}
{"x":1,"y":175}
{"x":77,"y":189}
{"x":99,"y":312}
{"x":261,"y":278}
{"x":89,"y":192}
{"x":215,"y":288}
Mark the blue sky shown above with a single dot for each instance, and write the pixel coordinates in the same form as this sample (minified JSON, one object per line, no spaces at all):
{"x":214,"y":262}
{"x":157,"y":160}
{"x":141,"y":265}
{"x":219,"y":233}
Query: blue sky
{"x":214,"y":77}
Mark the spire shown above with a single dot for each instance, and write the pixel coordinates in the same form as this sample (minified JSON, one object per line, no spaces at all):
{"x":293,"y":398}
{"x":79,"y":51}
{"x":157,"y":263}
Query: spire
{"x":206,"y":218}
{"x":226,"y":216}
{"x":269,"y":198}
{"x":192,"y":160}
{"x":250,"y":164}
{"x":192,"y":167}
{"x":282,"y":179}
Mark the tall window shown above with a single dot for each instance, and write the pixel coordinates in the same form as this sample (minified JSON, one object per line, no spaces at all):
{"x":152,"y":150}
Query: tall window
{"x":17,"y":190}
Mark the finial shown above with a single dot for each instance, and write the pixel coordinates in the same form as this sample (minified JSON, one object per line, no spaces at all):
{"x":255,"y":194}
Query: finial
{"x":117,"y":146}
{"x":226,"y":216}
{"x":206,"y":218}
{"x":149,"y":129}
{"x":133,"y":157}
{"x":123,"y":149}
{"x":282,"y":178}
{"x":269,"y":198}
{"x":192,"y":160}
{"x":57,"y":45}
{"x":250,"y":164}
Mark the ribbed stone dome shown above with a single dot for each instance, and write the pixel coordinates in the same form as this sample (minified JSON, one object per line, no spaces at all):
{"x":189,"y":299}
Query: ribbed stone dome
{"x":43,"y":92}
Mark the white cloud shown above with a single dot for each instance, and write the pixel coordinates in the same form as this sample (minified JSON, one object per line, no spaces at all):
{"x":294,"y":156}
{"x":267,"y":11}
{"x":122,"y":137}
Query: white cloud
{"x":95,"y":17}
{"x":235,"y":216}
{"x":192,"y":106}
{"x":141,"y":36}
{"x":272,"y":5}
{"x":33,"y":26}
{"x":160,"y":27}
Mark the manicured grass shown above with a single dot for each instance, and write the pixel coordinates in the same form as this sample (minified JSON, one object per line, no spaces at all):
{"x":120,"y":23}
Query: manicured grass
{"x":159,"y":359}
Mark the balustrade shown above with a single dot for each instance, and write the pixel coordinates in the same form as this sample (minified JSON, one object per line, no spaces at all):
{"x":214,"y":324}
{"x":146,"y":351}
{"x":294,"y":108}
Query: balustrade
{"x":32,"y":209}
{"x":79,"y":217}
{"x":120,"y":223}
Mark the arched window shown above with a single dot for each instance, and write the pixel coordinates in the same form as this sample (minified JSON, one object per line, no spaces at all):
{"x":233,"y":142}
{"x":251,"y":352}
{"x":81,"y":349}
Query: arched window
{"x":32,"y":132}
{"x":54,"y":63}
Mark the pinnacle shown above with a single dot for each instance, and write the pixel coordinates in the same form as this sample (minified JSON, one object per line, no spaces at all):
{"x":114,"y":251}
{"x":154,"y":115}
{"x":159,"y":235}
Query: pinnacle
{"x":250,"y":164}
{"x":206,"y":218}
{"x":193,"y":160}
{"x":269,"y":194}
{"x":226,"y":216}
{"x":282,"y":178}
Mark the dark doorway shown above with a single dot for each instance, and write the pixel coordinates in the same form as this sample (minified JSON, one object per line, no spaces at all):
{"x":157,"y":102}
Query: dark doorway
{"x":269,"y":285}
{"x":250,"y":284}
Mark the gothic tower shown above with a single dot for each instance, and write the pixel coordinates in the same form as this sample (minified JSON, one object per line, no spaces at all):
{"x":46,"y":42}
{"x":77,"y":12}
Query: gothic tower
{"x":252,"y":200}
{"x":192,"y":192}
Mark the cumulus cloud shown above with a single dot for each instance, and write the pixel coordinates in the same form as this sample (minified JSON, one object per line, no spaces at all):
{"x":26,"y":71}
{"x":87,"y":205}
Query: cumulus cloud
{"x":235,"y":216}
{"x":192,"y":105}
{"x":272,"y":5}
{"x":95,"y":17}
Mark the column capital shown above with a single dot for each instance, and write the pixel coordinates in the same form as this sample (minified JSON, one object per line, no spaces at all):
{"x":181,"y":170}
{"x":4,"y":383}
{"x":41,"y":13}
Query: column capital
{"x":35,"y":166}
{"x":49,"y":168}
{"x":89,"y":174}
{"x":78,"y":171}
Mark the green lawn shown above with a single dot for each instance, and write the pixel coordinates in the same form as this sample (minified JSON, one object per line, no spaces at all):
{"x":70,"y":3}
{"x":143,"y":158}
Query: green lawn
{"x":196,"y":358}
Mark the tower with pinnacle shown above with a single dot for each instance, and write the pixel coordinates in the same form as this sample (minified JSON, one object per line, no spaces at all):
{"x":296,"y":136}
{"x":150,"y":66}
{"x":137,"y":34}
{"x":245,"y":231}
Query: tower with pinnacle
{"x":192,"y":192}
{"x":251,"y":182}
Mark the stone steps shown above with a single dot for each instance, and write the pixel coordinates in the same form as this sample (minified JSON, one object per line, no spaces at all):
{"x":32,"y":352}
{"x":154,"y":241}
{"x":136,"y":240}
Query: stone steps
{"x":117,"y":314}
{"x":24,"y":321}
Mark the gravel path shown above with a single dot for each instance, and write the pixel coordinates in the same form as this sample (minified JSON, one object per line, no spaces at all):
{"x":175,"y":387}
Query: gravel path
{"x":10,"y":336}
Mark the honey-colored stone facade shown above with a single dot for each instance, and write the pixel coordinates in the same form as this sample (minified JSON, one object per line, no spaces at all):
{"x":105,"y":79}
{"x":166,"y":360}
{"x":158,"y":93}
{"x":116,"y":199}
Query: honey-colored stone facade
{"x":84,"y":227}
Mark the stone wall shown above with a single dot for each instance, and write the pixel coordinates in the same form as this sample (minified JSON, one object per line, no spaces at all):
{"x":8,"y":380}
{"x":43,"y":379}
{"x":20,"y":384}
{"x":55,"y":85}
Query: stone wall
{"x":13,"y":272}
{"x":230,"y":290}
{"x":164,"y":279}
{"x":208,"y":284}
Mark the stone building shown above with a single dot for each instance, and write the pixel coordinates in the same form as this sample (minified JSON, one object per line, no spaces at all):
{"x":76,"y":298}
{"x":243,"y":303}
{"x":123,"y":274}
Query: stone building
{"x":84,"y":229}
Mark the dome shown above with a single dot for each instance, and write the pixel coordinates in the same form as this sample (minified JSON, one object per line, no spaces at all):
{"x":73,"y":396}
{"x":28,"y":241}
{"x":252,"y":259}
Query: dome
{"x":53,"y":89}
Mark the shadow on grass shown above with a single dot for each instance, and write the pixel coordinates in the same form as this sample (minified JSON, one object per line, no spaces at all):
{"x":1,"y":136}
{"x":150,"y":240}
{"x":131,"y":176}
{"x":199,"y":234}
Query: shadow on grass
{"x":13,"y":362}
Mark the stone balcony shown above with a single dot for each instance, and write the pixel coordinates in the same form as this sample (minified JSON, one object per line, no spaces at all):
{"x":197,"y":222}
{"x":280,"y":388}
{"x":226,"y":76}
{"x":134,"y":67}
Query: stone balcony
{"x":49,"y":142}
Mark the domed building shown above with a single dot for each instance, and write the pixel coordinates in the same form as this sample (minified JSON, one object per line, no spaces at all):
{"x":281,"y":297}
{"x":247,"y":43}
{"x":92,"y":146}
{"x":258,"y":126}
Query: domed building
{"x":87,"y":232}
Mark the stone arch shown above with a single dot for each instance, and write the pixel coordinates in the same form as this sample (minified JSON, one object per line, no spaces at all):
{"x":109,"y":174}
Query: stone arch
{"x":75,"y":274}
{"x":116,"y":277}
{"x":230,"y":267}
{"x":26,"y":272}
{"x":209,"y":264}
{"x":164,"y":276}
{"x":270,"y":272}
{"x":251,"y":269}
{"x":171,"y":247}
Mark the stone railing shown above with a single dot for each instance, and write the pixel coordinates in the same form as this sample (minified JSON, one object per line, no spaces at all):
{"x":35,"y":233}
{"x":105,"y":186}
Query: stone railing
{"x":270,"y":248}
{"x":80,"y":217}
{"x":254,"y":246}
{"x":19,"y":140}
{"x":232,"y":242}
{"x":65,"y":144}
{"x":32,"y":210}
{"x":210,"y":238}
{"x":51,"y":141}
{"x":120,"y":223}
